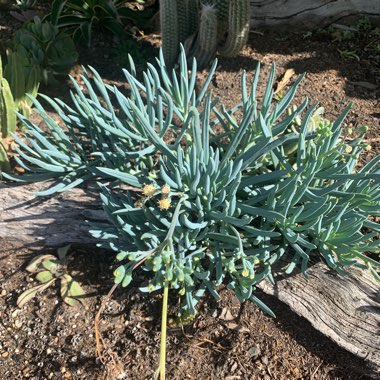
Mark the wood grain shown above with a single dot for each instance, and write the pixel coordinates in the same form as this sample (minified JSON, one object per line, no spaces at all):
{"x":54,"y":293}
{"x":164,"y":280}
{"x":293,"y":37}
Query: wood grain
{"x":309,"y":14}
{"x":344,"y":308}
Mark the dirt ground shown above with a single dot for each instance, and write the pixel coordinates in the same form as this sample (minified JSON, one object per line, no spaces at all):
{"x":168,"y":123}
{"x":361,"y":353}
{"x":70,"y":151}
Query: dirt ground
{"x":48,"y":340}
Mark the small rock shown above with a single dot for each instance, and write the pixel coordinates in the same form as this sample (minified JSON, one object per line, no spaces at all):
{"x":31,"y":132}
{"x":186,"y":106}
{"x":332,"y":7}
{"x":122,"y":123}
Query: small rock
{"x":226,"y":315}
{"x":3,"y":293}
{"x":265,"y":360}
{"x":26,"y":372}
{"x":254,"y":352}
{"x":18,"y":323}
{"x":15,"y":313}
{"x":5,"y":355}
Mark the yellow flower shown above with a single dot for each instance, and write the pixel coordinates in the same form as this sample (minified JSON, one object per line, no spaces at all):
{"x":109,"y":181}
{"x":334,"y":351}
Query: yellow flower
{"x":149,"y":190}
{"x":245,"y":273}
{"x":165,"y":190}
{"x":164,"y":203}
{"x":348,"y":149}
{"x":368,"y":148}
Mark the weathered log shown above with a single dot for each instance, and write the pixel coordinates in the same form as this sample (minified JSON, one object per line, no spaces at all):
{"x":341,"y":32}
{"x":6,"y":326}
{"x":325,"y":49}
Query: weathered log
{"x":27,"y":220}
{"x":346,"y":309}
{"x":309,"y":14}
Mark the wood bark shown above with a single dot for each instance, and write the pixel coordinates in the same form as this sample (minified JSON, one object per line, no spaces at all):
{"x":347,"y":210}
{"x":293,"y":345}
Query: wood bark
{"x":346,"y":309}
{"x":309,"y":14}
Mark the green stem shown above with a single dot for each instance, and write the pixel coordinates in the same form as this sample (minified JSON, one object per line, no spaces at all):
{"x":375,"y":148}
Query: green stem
{"x":163,"y":331}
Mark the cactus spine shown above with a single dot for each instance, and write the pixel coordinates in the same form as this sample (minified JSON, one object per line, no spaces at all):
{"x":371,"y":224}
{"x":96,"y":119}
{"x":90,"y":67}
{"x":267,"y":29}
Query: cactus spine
{"x":205,"y":27}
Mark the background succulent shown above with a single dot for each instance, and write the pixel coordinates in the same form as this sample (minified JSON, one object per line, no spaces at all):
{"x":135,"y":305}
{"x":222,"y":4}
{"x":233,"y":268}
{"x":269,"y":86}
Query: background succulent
{"x":44,"y":45}
{"x":81,"y":18}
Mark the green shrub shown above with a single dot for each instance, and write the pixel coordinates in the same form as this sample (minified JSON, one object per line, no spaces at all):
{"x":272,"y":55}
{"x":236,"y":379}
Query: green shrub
{"x":198,"y":209}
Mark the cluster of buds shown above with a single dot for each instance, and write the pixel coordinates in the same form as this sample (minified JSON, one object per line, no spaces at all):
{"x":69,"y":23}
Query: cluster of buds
{"x":164,"y":203}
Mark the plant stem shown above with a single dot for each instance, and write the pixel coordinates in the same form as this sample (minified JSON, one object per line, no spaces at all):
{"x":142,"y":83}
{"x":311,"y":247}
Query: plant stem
{"x":162,"y":366}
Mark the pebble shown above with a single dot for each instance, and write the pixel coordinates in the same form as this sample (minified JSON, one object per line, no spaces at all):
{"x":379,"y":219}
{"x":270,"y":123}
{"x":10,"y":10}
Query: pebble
{"x":3,"y":293}
{"x":18,"y":323}
{"x":5,"y":355}
{"x":26,"y":372}
{"x":254,"y":352}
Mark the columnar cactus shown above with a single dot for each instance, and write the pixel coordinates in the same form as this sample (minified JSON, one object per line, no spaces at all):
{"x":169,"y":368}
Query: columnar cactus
{"x":205,"y":28}
{"x":169,"y":29}
{"x":238,"y":27}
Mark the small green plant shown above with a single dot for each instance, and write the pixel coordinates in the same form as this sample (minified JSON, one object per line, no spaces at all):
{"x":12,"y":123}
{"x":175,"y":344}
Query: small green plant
{"x":49,"y":269}
{"x":349,"y":54}
{"x":205,"y":28}
{"x":47,"y":47}
{"x":276,"y":189}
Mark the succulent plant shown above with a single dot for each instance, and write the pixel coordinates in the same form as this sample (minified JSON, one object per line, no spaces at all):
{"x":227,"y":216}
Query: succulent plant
{"x":204,"y":27}
{"x":44,"y":45}
{"x":48,"y":269}
{"x":196,"y":208}
{"x":80,"y":18}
